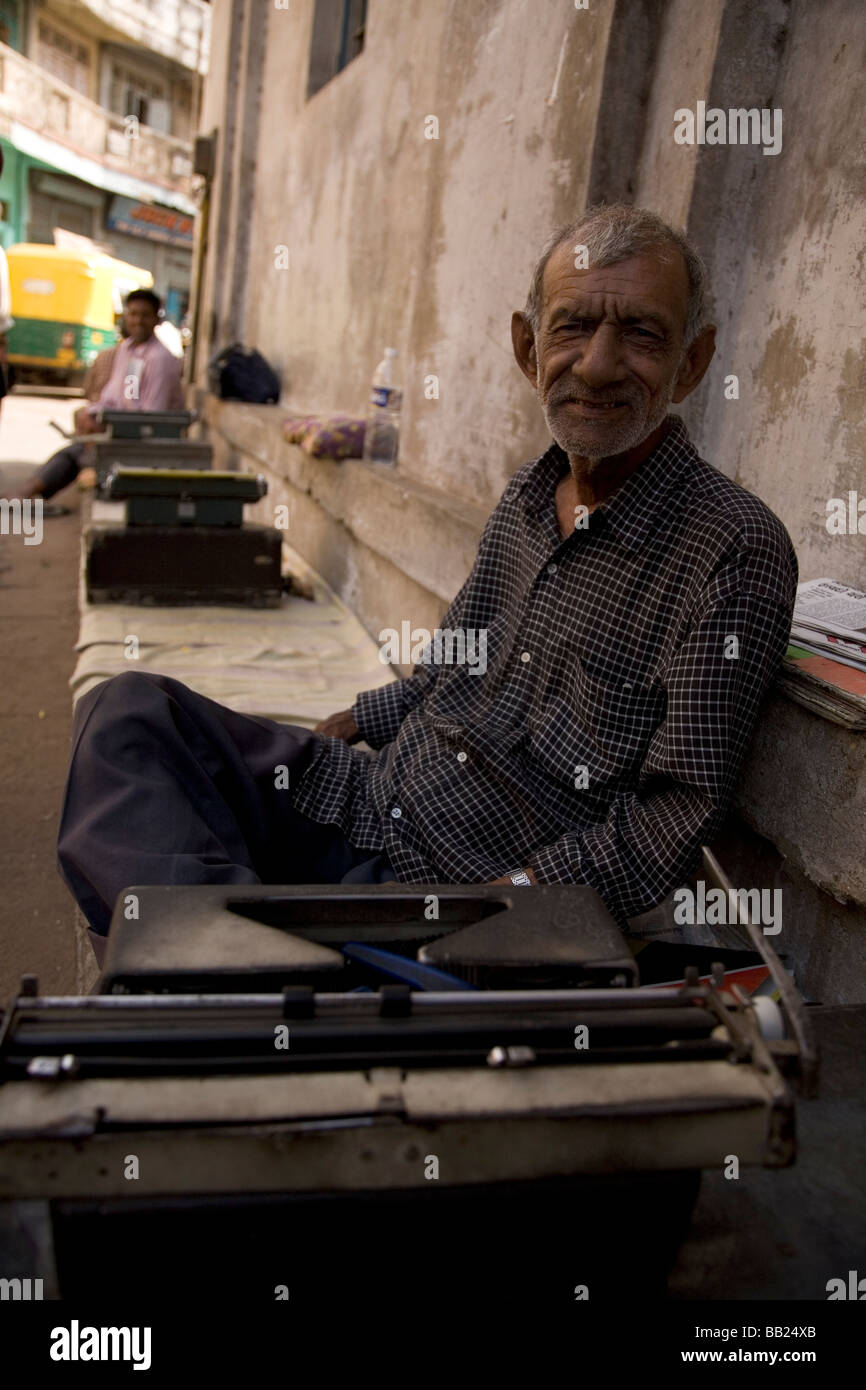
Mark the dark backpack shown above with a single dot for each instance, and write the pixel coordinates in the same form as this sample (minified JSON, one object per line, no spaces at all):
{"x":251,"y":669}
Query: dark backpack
{"x":242,"y":374}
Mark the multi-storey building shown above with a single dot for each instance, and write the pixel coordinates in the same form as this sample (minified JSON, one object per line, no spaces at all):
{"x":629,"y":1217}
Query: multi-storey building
{"x":99,"y":103}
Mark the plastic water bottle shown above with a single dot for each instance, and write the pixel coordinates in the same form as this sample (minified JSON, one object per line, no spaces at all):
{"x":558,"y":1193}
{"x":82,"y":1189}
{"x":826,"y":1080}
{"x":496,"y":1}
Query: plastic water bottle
{"x":382,"y":435}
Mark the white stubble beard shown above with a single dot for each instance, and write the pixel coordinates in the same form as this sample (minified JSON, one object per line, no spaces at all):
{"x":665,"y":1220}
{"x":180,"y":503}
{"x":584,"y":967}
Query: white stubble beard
{"x":576,"y":439}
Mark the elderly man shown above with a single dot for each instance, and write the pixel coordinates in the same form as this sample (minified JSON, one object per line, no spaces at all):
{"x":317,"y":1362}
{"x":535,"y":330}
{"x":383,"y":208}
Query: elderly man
{"x":636,"y":604}
{"x":144,"y":376}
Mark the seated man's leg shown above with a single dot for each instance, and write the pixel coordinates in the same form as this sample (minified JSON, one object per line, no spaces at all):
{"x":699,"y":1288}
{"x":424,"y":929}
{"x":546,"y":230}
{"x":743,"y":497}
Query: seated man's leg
{"x":166,"y":786}
{"x":60,"y":470}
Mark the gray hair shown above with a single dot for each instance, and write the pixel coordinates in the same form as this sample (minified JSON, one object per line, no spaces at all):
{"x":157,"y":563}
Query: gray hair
{"x":613,"y":232}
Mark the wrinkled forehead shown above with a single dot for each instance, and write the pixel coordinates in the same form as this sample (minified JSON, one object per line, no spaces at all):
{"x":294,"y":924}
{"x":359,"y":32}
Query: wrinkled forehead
{"x":652,"y":283}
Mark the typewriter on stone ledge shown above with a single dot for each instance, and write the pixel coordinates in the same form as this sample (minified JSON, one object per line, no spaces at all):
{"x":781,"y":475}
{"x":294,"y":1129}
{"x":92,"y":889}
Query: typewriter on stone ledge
{"x":183,"y":540}
{"x":297,"y":1080}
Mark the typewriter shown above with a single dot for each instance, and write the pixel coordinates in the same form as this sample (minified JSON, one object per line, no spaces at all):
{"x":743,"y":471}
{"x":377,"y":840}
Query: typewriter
{"x":308,"y":1088}
{"x":183,"y":540}
{"x":146,"y":439}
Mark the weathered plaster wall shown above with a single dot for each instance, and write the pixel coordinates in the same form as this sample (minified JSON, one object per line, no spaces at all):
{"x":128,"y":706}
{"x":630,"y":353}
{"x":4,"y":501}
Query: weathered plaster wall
{"x":788,"y":260}
{"x":219,"y":113}
{"x":683,"y":67}
{"x":426,"y":244}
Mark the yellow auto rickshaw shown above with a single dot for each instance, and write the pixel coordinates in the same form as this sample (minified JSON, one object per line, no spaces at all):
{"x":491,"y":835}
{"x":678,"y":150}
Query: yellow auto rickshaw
{"x":66,"y":304}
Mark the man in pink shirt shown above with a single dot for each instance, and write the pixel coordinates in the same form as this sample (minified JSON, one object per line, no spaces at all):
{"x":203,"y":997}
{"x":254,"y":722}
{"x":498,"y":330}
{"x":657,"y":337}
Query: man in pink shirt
{"x":144,"y":376}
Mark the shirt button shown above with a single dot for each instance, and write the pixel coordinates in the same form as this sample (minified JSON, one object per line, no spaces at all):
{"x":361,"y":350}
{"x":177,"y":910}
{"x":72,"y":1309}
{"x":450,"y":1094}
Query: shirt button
{"x":396,"y":812}
{"x":551,"y":568}
{"x":524,"y":656}
{"x":461,"y":757}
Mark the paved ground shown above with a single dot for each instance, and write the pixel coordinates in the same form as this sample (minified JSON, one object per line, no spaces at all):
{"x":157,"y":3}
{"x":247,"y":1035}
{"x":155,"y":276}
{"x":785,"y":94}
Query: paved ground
{"x":38,"y":626}
{"x":783,"y":1233}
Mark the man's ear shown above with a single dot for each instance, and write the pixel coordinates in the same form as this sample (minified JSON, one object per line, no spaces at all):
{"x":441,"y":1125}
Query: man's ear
{"x":695,"y":363}
{"x":523,"y":342}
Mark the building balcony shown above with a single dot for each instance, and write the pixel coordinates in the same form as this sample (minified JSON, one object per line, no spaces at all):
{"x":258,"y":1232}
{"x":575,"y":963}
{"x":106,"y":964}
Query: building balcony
{"x":38,"y":111}
{"x":177,"y":29}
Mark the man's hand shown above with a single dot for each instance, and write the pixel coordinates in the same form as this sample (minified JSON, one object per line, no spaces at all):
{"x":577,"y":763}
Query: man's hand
{"x":341,"y":725}
{"x":507,"y":879}
{"x":84,"y":422}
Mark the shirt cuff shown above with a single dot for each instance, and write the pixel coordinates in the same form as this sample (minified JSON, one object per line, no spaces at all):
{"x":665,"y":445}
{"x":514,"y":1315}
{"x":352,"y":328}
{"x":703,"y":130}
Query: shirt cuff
{"x":379,"y":713}
{"x":557,"y":864}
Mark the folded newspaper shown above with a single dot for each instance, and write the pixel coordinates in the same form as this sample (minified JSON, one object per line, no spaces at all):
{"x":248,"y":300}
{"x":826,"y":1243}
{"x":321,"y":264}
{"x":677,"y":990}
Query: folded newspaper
{"x":825,"y":667}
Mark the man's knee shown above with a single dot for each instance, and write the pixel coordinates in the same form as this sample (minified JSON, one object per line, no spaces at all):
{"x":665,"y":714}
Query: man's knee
{"x":60,"y":470}
{"x":125,"y":694}
{"x":132,"y":685}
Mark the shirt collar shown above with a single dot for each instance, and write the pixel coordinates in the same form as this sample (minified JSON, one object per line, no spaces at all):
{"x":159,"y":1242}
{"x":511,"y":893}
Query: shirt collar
{"x":634,"y":509}
{"x":139,"y":347}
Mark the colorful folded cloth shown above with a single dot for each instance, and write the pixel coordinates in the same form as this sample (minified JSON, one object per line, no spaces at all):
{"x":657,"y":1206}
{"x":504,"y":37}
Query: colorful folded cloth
{"x":328,"y":436}
{"x":296,"y":426}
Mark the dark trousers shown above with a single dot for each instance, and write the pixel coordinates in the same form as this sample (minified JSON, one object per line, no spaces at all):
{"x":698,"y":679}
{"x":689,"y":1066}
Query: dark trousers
{"x":60,"y":470}
{"x":166,"y":786}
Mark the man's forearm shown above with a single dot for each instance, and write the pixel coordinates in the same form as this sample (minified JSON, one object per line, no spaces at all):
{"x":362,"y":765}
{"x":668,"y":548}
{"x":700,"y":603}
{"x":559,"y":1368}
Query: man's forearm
{"x":637,"y":855}
{"x":379,"y":713}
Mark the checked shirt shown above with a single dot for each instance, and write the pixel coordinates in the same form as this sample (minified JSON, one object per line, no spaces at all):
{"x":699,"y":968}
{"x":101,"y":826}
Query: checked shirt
{"x":625,"y":669}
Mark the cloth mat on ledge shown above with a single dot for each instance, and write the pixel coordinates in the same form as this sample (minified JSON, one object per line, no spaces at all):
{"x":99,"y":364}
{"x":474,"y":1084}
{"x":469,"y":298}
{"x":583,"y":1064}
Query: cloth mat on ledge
{"x":296,"y":664}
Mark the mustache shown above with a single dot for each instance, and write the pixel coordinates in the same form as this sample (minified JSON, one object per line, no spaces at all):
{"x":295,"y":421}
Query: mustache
{"x":629,"y":396}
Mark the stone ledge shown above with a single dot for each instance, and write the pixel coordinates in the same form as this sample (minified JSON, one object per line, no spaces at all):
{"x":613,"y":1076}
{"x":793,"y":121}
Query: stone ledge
{"x":392,"y":515}
{"x":803,"y":787}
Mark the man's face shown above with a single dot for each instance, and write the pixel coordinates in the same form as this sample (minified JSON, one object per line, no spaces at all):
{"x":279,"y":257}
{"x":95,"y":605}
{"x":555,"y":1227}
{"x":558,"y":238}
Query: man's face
{"x":609,"y":349}
{"x":140,"y":319}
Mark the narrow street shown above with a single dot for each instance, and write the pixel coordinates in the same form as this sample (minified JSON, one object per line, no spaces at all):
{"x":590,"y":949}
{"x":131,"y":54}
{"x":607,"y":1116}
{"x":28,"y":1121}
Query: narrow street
{"x":38,"y":627}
